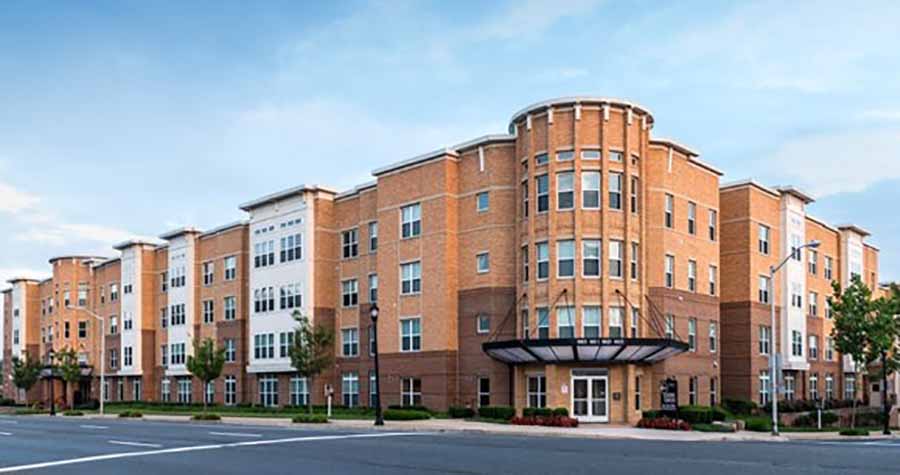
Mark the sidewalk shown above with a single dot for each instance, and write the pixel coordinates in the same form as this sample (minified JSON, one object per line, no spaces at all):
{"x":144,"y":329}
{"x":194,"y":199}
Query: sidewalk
{"x":585,"y":431}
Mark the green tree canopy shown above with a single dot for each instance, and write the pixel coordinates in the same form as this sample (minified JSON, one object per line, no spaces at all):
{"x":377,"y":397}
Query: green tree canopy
{"x":312,"y":350}
{"x":852,"y":308}
{"x":25,"y":372}
{"x":69,"y":369}
{"x":206,"y":363}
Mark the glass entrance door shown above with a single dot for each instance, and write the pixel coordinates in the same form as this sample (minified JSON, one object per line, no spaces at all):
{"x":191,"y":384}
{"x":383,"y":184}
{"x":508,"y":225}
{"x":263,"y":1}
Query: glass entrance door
{"x":590,"y":402}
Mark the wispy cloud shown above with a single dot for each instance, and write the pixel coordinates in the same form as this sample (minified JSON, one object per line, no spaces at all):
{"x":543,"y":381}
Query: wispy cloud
{"x":880,"y":114}
{"x":7,"y":273}
{"x":14,"y":200}
{"x":529,"y":18}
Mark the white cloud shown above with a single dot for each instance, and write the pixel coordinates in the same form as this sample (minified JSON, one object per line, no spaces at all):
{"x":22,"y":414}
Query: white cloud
{"x":13,"y":200}
{"x":7,"y":273}
{"x":838,"y":163}
{"x":880,"y":114}
{"x":530,"y":17}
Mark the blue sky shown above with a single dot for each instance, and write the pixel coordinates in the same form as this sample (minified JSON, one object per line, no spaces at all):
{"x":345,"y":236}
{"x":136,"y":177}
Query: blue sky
{"x":130,"y":118}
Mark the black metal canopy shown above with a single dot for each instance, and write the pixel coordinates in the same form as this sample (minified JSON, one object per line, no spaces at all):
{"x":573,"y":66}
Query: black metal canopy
{"x":584,"y":350}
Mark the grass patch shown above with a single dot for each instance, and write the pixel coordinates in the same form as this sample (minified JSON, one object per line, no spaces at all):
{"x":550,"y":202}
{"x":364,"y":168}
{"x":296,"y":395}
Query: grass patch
{"x":717,"y":428}
{"x":858,"y":432}
{"x":29,"y":412}
{"x":131,"y":414}
{"x":310,"y":419}
{"x":405,"y":415}
{"x":356,"y":413}
{"x":73,"y":413}
{"x":206,"y":417}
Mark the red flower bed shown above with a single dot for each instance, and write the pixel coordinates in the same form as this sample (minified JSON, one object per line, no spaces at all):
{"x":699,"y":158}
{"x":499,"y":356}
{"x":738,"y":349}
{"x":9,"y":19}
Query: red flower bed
{"x":664,"y":423}
{"x":550,"y":421}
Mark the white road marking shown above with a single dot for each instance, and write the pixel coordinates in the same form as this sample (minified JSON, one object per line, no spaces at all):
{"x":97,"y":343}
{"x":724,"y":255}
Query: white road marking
{"x":235,"y":434}
{"x":93,"y":427}
{"x":7,"y":421}
{"x":98,"y":458}
{"x":134,"y":444}
{"x":5,"y":433}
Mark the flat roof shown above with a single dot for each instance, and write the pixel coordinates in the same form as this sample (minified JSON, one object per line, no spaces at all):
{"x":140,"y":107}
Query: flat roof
{"x":79,"y":257}
{"x":13,"y":280}
{"x":356,"y":190}
{"x":793,"y":190}
{"x":225,"y":227}
{"x":138,"y":241}
{"x":283,"y":194}
{"x":418,"y":159}
{"x":484,"y":140}
{"x":178,"y":232}
{"x":692,"y":154}
{"x":854,"y":228}
{"x":588,"y":99}
{"x":749,"y":182}
{"x":821,"y":222}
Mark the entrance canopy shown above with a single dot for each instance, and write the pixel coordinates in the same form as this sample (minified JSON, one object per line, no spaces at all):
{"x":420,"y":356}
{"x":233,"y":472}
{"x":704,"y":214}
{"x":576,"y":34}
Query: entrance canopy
{"x":584,"y":350}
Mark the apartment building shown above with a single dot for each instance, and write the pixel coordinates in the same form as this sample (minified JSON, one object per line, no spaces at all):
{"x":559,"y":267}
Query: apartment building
{"x":575,"y":261}
{"x":761,"y":226}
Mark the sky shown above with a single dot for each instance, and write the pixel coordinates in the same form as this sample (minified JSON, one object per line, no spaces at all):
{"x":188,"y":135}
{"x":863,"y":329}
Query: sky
{"x":131,"y":118}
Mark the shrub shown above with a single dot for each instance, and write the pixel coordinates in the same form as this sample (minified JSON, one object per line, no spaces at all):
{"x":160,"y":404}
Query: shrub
{"x":92,"y":405}
{"x":545,"y":421}
{"x":664,"y":423}
{"x":696,"y":414}
{"x":537,"y":412}
{"x":410,"y":408}
{"x":740,"y":407}
{"x":869,"y":418}
{"x":561,"y":412}
{"x":461,"y":412}
{"x":310,"y":419}
{"x":73,"y":413}
{"x":720,"y":414}
{"x":503,"y":413}
{"x":131,"y":414}
{"x":855,"y":432}
{"x":5,"y":401}
{"x":206,"y":417}
{"x":405,"y":415}
{"x":652,"y":414}
{"x":758,"y":424}
{"x":28,"y":412}
{"x":811,"y":420}
{"x":718,"y":428}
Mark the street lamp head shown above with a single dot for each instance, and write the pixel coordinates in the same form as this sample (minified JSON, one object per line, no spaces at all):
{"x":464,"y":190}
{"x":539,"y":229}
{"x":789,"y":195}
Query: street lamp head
{"x":374,"y":313}
{"x":814,"y":244}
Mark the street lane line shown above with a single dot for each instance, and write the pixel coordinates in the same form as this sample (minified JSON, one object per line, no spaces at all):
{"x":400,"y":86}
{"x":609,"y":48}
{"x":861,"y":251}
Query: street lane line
{"x":134,"y":444}
{"x":98,"y":458}
{"x":93,"y":427}
{"x":235,"y":434}
{"x":5,"y":433}
{"x":6,"y":421}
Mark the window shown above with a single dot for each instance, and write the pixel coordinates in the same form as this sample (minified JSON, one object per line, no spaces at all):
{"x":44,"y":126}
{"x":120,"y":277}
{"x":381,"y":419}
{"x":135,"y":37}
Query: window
{"x":565,"y":191}
{"x":813,"y":387}
{"x":268,"y":391}
{"x":829,"y":267}
{"x":635,"y":267}
{"x":764,"y":384}
{"x":208,"y":273}
{"x":692,"y":276}
{"x":713,"y":223}
{"x":827,"y":309}
{"x":790,"y":387}
{"x":230,"y":267}
{"x":373,"y":237}
{"x":291,"y":296}
{"x":763,"y":289}
{"x":350,"y":389}
{"x":483,"y":262}
{"x":208,"y":311}
{"x":350,"y":293}
{"x":525,"y":198}
{"x":670,"y":326}
{"x":350,"y":342}
{"x":230,"y":390}
{"x":482,"y":201}
{"x":713,"y":337}
{"x":849,"y":386}
{"x":82,"y":329}
{"x":177,"y":357}
{"x":796,"y":250}
{"x":113,"y":293}
{"x":526,"y":265}
{"x":590,"y":155}
{"x":765,"y":340}
{"x":829,"y":349}
{"x":264,"y":299}
{"x":163,"y":284}
{"x":411,"y":278}
{"x":411,"y":334}
{"x":615,"y":156}
{"x":411,"y":392}
{"x":210,"y":392}
{"x":763,"y":238}
{"x":164,"y":355}
{"x":616,"y":318}
{"x":230,"y":350}
{"x":565,"y":156}
{"x":299,"y":392}
{"x":813,"y":304}
{"x":565,"y":259}
{"x":590,"y":190}
{"x":292,"y":248}
{"x":616,"y":269}
{"x":184,"y":390}
{"x":373,"y":288}
{"x":165,"y":390}
{"x":411,"y":221}
{"x":812,"y":261}
{"x":371,"y":332}
{"x":590,"y":322}
{"x":692,"y":334}
{"x":635,"y":195}
{"x":670,"y":272}
{"x":796,"y":343}
{"x":264,"y":346}
{"x":285,"y":343}
{"x":263,"y":254}
{"x":713,"y":274}
{"x":615,"y":191}
{"x":829,"y":387}
{"x":590,"y":255}
{"x":670,"y":211}
{"x":350,"y":244}
{"x":813,"y":346}
{"x":114,"y":359}
{"x":127,"y":356}
{"x":542,"y":184}
{"x":637,"y":393}
{"x":541,"y":159}
{"x":537,"y":391}
{"x":692,"y":390}
{"x":483,"y":324}
{"x":543,"y":315}
{"x":66,"y":328}
{"x":526,"y":326}
{"x":230,"y":308}
{"x":543,"y":260}
{"x":635,"y":320}
{"x":565,"y":322}
{"x":484,"y":392}
{"x":692,"y":218}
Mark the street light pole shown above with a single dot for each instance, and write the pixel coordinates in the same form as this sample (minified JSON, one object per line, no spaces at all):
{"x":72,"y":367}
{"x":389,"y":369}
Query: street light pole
{"x":50,"y":355}
{"x":379,"y":418}
{"x":773,"y":370}
{"x":102,"y":361}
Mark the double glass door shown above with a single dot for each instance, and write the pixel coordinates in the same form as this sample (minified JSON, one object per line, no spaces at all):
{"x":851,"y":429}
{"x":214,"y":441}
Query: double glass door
{"x":590,"y":402}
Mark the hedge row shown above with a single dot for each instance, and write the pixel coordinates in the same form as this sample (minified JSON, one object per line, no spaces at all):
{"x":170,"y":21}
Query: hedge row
{"x":503,"y":413}
{"x":310,"y":419}
{"x":405,"y":415}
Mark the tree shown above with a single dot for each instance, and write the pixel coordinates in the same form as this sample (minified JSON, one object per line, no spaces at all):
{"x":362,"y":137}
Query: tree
{"x":206,"y":364}
{"x":852,"y":308}
{"x":69,"y":369}
{"x":312,"y":350}
{"x":883,"y":334}
{"x":25,"y":373}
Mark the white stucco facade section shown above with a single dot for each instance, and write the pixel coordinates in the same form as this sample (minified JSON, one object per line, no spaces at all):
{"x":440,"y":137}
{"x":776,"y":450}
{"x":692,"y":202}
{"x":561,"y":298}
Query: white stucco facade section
{"x":131,"y":309}
{"x":291,"y":216}
{"x":852,"y":262}
{"x":182,"y":256}
{"x":18,"y":320}
{"x":793,"y":282}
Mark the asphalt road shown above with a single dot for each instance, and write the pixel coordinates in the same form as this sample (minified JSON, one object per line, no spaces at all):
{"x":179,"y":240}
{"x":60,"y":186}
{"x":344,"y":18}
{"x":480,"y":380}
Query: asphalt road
{"x":73,"y":445}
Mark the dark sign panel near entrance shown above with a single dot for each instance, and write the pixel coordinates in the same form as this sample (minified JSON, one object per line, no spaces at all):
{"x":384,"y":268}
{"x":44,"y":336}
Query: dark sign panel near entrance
{"x":669,"y":396}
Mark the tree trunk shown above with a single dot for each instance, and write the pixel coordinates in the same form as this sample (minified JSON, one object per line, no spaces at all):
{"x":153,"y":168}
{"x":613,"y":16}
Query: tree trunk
{"x":205,"y":388}
{"x":309,"y":401}
{"x":885,"y":412}
{"x":853,"y":414}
